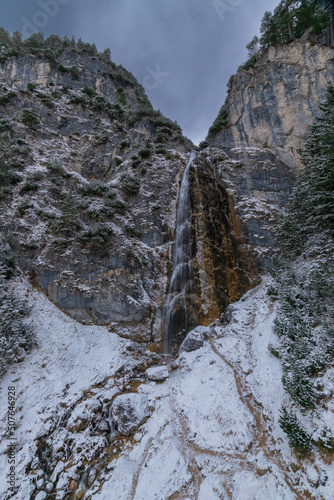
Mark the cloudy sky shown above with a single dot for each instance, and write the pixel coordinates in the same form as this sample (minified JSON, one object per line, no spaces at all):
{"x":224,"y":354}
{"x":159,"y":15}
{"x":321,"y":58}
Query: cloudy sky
{"x":181,"y":51}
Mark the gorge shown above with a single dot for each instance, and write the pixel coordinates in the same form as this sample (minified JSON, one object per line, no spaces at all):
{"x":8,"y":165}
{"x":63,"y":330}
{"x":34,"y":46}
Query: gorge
{"x":127,"y":240}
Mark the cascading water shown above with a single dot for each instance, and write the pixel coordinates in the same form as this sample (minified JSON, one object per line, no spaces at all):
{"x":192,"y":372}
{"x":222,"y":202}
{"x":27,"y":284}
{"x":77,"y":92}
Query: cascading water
{"x":178,"y":310}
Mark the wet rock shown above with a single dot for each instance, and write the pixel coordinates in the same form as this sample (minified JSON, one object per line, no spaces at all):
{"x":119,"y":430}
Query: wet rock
{"x":129,"y":411}
{"x":157,"y":373}
{"x":195,"y":339}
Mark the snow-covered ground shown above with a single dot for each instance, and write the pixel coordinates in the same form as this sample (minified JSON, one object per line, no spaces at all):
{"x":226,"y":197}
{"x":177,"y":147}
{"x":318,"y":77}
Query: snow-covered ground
{"x":213,"y":432}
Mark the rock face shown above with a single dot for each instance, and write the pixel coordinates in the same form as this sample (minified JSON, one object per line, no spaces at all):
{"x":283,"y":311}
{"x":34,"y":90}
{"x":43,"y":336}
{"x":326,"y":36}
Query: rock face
{"x":91,"y":213}
{"x":157,"y":373}
{"x":273,"y":104}
{"x":93,"y":178}
{"x":129,"y":411}
{"x":195,"y":339}
{"x":258,"y":185}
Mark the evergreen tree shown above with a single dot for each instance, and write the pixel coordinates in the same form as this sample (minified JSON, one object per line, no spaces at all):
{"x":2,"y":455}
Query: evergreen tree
{"x":305,"y":270}
{"x":69,"y":221}
{"x":4,"y":38}
{"x":16,"y":335}
{"x":311,"y":208}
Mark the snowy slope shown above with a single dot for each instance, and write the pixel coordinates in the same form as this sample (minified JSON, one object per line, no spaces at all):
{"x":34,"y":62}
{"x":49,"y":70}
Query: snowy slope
{"x":213,"y":432}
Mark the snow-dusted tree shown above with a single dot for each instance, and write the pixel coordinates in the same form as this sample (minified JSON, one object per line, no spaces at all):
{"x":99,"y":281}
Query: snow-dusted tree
{"x":305,"y":273}
{"x":16,"y":335}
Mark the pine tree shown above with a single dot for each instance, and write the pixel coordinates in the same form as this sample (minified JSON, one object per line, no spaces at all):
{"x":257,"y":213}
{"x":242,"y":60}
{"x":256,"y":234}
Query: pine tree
{"x":305,"y":270}
{"x":16,"y":335}
{"x":4,"y":38}
{"x":311,"y":208}
{"x":69,"y":220}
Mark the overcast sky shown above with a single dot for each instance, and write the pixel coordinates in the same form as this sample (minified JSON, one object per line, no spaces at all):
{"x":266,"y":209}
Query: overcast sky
{"x":181,"y":51}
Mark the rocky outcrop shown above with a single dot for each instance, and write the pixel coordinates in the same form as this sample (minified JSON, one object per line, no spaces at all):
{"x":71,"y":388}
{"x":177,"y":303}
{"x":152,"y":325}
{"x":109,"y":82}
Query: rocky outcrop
{"x":129,"y":411}
{"x":93,"y":177}
{"x":274,"y":103}
{"x":258,"y":185}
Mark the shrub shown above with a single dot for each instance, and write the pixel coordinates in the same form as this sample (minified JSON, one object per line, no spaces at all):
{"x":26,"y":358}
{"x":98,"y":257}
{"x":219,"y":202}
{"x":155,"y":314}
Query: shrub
{"x":31,"y":86}
{"x":78,"y":100}
{"x":130,"y":185}
{"x":23,"y":207}
{"x":46,"y":100}
{"x":101,"y":102}
{"x":8,"y":177}
{"x":118,"y":206}
{"x":75,"y":72}
{"x":118,"y":77}
{"x":5,"y":125}
{"x":97,"y":236}
{"x":97,"y":188}
{"x":89,"y":91}
{"x":62,"y":68}
{"x":56,"y":169}
{"x":29,"y":187}
{"x":69,"y":218}
{"x":297,"y":436}
{"x":326,"y":440}
{"x":122,"y":98}
{"x":133,"y":231}
{"x":30,"y":118}
{"x":118,"y":160}
{"x":36,"y":176}
{"x":272,"y":293}
{"x":7,"y":262}
{"x":145,"y":153}
{"x":220,"y":123}
{"x":4,"y":99}
{"x":124,"y":144}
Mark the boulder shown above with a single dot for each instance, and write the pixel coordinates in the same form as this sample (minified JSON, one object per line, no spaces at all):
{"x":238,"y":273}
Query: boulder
{"x":41,"y":495}
{"x":157,"y":373}
{"x":195,"y":339}
{"x":129,"y":411}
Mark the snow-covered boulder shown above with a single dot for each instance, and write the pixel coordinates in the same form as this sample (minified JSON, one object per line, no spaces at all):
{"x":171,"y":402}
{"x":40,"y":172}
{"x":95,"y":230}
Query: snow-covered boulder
{"x":195,"y":339}
{"x":129,"y":411}
{"x":157,"y":373}
{"x":41,"y":495}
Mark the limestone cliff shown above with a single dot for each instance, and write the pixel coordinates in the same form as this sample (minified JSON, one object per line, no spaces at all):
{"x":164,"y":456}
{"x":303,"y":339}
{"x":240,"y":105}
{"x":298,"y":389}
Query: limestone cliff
{"x":91,"y":179}
{"x":273,"y":104}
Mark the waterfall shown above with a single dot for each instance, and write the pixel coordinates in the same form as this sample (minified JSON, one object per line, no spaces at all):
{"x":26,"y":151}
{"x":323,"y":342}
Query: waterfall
{"x":177,"y":319}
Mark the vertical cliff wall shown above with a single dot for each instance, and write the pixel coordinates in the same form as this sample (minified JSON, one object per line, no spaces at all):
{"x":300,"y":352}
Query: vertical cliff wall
{"x":273,"y":104}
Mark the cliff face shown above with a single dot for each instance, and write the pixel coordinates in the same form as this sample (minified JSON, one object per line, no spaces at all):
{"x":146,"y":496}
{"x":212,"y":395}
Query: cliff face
{"x":89,"y":204}
{"x":258,"y":185}
{"x":91,"y":177}
{"x":273,"y":104}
